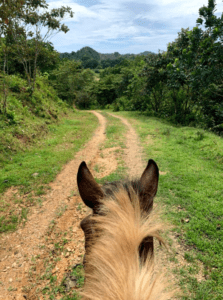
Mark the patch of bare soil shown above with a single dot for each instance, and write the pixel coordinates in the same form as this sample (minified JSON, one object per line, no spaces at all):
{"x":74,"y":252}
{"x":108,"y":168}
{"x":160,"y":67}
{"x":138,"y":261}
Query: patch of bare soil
{"x":106,"y":163}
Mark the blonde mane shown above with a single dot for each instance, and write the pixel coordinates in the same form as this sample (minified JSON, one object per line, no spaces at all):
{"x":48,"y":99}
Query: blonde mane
{"x":114,"y":270}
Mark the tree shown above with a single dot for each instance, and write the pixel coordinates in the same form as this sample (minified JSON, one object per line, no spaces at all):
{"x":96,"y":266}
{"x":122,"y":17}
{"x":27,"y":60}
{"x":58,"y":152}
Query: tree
{"x":211,"y":65}
{"x":71,"y":82}
{"x":4,"y":78}
{"x":106,"y":89}
{"x":25,"y":21}
{"x":47,"y":61}
{"x":190,"y":73}
{"x":91,"y":64}
{"x":7,"y":9}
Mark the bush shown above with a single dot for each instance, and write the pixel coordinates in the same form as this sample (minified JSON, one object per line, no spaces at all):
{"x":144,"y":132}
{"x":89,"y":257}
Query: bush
{"x":16,"y":84}
{"x":83,"y":100}
{"x":120,"y":104}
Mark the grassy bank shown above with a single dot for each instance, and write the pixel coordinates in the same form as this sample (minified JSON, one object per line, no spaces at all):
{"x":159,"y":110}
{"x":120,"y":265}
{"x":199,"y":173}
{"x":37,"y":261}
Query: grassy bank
{"x":191,"y":188}
{"x":39,"y":163}
{"x":31,"y":169}
{"x":38,"y":135}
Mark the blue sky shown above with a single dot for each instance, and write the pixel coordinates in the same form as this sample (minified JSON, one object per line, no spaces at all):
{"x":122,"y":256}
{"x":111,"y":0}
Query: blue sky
{"x":126,"y":26}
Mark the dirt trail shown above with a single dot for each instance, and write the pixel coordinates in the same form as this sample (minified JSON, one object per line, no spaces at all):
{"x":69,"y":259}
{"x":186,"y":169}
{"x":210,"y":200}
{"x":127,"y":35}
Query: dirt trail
{"x":17,"y":248}
{"x":18,"y":270}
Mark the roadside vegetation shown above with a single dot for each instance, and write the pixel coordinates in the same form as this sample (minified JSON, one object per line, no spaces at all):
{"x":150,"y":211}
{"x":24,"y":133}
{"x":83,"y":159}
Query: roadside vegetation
{"x":182,"y":85}
{"x":191,"y":161}
{"x":40,"y":129}
{"x":31,"y":162}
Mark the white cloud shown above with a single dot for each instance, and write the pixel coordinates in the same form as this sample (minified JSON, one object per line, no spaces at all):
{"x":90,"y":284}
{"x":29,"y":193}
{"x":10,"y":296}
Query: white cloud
{"x":126,"y":25}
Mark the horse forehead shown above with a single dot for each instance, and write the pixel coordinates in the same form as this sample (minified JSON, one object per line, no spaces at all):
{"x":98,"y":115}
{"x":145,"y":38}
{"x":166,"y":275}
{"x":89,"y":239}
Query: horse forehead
{"x":111,"y":188}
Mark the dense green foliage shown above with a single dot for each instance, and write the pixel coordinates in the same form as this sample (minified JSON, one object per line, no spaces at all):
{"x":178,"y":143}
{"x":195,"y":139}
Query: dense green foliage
{"x":22,"y":44}
{"x":42,"y":108}
{"x":191,"y":73}
{"x":121,"y":85}
{"x":84,"y":52}
{"x":26,"y":55}
{"x":183,"y":84}
{"x":72,"y":83}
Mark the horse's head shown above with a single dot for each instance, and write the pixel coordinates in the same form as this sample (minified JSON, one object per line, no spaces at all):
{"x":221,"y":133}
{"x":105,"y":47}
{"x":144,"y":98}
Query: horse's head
{"x":93,"y":196}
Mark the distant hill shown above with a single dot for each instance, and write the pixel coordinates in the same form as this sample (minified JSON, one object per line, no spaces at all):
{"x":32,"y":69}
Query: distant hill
{"x":93,"y":59}
{"x":89,"y":52}
{"x":146,"y":53}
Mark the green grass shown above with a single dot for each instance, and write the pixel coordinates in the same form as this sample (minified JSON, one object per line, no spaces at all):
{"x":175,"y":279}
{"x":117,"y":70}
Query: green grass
{"x":119,"y":174}
{"x":115,"y":132}
{"x":32,"y":169}
{"x":192,"y":191}
{"x":115,"y":137}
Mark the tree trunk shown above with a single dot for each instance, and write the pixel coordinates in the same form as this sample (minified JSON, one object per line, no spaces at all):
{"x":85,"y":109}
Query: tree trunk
{"x":5,"y":90}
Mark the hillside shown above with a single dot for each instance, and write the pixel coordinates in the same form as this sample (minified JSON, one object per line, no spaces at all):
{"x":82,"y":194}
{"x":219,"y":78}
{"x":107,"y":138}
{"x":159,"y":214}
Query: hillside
{"x":88,"y":51}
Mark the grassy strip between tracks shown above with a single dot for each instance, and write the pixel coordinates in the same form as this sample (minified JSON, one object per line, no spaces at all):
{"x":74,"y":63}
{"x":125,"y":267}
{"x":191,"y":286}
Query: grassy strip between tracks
{"x":115,"y":138}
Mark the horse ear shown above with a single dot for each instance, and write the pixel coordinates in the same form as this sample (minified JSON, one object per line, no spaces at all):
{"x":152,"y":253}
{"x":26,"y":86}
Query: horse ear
{"x":148,"y":185}
{"x":89,"y":189}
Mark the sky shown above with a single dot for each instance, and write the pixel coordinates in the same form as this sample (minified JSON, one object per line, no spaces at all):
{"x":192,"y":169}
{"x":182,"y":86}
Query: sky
{"x":126,"y":26}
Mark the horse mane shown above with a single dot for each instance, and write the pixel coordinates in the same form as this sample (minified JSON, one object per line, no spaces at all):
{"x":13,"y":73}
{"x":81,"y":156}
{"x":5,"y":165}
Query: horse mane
{"x":113,"y":269}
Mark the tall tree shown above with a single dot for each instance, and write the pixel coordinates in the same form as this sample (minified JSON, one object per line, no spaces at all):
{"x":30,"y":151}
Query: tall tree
{"x":31,"y":19}
{"x":8,"y":10}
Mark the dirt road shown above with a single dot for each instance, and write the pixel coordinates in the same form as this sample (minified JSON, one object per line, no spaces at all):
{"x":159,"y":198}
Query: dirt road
{"x":35,"y":258}
{"x":24,"y":253}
